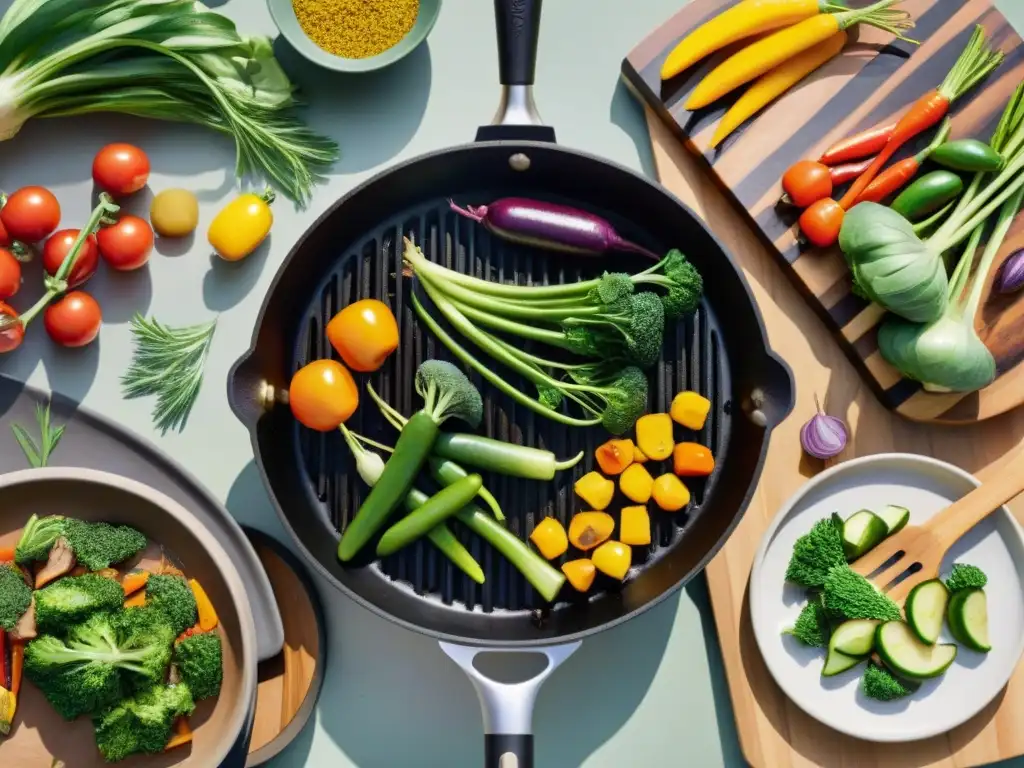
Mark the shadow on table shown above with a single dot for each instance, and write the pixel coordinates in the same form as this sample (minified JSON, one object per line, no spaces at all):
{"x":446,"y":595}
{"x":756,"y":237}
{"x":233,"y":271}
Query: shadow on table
{"x":627,"y":113}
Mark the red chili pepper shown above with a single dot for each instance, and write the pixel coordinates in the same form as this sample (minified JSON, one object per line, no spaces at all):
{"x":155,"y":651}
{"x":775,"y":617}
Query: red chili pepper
{"x":863,"y":144}
{"x":4,"y":682}
{"x":843,"y":174}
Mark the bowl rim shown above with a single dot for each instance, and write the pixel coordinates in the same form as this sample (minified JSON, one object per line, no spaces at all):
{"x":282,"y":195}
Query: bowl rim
{"x":310,"y":51}
{"x":754,"y":584}
{"x":232,"y":578}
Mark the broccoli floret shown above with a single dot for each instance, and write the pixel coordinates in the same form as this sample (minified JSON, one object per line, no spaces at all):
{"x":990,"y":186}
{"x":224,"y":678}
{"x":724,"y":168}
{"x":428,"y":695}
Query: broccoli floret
{"x":37,"y":537}
{"x":881,"y":684}
{"x":448,"y":394}
{"x":683,"y":282}
{"x":100,"y":545}
{"x":966,"y":577}
{"x":848,"y":595}
{"x":172,"y":596}
{"x":15,"y":596}
{"x":631,"y":329}
{"x":550,"y":397}
{"x":612,"y":287}
{"x":72,"y":599}
{"x":143,"y":723}
{"x":815,"y":553}
{"x":99,"y":660}
{"x":625,"y":400}
{"x":199,"y":659}
{"x":811,"y":627}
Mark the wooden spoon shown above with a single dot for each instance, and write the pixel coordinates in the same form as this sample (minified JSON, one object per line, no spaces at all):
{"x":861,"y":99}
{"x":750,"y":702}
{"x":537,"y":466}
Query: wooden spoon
{"x":927,"y":544}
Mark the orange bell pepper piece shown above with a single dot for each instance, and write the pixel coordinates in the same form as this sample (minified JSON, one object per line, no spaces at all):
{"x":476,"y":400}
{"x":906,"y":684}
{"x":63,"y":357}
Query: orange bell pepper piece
{"x":207,"y":615}
{"x":614,"y":456}
{"x":364,"y":334}
{"x":692,"y":460}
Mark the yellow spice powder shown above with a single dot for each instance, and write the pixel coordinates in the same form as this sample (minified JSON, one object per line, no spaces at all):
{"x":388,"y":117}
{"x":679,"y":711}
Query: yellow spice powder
{"x":356,"y":29}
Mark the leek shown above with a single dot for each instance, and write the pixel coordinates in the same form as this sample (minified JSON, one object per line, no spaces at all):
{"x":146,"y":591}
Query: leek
{"x":165,"y":59}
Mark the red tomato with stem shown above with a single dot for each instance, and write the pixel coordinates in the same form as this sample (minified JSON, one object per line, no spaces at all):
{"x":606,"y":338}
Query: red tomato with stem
{"x":30,"y":214}
{"x":73,"y":320}
{"x":120,"y":169}
{"x":12,"y":332}
{"x":10,"y":274}
{"x":57,"y":247}
{"x":126,"y":244}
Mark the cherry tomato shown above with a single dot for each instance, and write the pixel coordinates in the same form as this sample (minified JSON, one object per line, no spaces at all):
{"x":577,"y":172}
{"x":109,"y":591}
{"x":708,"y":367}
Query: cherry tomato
{"x":822,"y":221}
{"x":126,"y":245}
{"x":10,"y":274}
{"x":73,"y":320}
{"x":807,"y":182}
{"x":5,"y":239}
{"x":323,"y":395}
{"x":13,"y":334}
{"x":364,"y":333}
{"x":120,"y":169}
{"x":31,"y":214}
{"x":86,"y":261}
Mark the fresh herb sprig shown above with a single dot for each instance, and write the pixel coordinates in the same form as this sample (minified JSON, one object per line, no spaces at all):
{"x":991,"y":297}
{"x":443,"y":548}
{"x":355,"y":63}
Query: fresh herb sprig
{"x":167,"y":362}
{"x":49,"y":435}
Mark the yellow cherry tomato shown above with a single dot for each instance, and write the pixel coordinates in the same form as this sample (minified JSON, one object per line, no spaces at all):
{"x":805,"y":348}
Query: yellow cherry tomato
{"x":364,"y":333}
{"x":322,"y":395}
{"x":242,"y":225}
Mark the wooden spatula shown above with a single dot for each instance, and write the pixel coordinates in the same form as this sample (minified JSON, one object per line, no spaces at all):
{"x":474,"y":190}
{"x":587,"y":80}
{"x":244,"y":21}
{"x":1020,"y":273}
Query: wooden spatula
{"x":927,"y":544}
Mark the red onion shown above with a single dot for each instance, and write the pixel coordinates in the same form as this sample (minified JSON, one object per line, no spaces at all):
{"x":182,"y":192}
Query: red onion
{"x":824,"y":436}
{"x":1011,"y":276}
{"x":549,"y":225}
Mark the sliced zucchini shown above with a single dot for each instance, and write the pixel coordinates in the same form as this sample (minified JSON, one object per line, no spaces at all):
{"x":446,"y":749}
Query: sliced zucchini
{"x":855,"y":637}
{"x":968,"y":619}
{"x":862,"y":531}
{"x":895,"y":518}
{"x":837,"y":662}
{"x":925,"y":609}
{"x":907,"y":656}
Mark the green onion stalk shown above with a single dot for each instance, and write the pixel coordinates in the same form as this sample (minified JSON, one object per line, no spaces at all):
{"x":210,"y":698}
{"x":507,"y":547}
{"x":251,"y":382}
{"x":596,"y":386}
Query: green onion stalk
{"x":57,"y":284}
{"x":170,"y":60}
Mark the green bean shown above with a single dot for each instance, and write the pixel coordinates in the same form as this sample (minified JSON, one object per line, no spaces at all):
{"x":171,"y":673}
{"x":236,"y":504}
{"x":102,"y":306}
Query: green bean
{"x":437,"y":509}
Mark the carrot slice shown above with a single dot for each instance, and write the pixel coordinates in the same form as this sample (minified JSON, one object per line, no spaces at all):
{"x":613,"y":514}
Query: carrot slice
{"x":137,"y":600}
{"x":6,"y":554}
{"x":17,"y":662}
{"x":207,"y":615}
{"x":134,"y":581}
{"x":182,"y":734}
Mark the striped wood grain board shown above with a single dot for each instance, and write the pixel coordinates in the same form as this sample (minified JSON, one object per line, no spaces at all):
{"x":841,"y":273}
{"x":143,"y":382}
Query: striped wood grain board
{"x":871,"y":83}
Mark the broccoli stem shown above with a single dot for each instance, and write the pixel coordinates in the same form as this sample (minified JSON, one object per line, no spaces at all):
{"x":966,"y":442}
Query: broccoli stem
{"x":545,"y":311}
{"x":497,"y":381}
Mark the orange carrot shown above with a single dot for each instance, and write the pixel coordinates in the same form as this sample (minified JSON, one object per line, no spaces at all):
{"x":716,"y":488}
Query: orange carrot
{"x":136,"y":600}
{"x":3,"y":659}
{"x":182,"y":734}
{"x":7,"y":554}
{"x":134,"y":581}
{"x":975,"y":64}
{"x":895,"y":176}
{"x":17,"y":662}
{"x":207,"y":615}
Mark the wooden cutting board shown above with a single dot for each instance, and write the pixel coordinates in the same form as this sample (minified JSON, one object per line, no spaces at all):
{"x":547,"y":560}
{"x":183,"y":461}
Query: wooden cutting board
{"x":869,"y":84}
{"x":773,"y":732}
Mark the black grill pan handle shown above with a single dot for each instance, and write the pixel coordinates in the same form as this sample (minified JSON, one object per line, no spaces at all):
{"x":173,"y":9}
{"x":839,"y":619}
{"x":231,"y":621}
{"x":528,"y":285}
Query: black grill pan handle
{"x":508,"y":707}
{"x":518,"y":27}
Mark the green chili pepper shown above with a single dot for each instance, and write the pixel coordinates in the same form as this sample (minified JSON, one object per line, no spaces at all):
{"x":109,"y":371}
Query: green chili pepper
{"x":967,"y":155}
{"x":503,"y":458}
{"x":438,"y":508}
{"x":448,"y":472}
{"x":928,"y":194}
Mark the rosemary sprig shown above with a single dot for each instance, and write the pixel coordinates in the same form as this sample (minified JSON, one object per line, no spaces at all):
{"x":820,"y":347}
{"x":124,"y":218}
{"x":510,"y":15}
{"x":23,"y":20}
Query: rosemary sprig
{"x":167,"y":362}
{"x":49,"y":436}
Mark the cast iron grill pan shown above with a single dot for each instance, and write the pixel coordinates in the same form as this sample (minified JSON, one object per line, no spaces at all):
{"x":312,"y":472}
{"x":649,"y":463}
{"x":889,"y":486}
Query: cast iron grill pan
{"x":693,"y":358}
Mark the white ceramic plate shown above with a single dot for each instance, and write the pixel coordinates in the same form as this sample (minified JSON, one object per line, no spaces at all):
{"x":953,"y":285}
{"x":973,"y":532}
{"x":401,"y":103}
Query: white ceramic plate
{"x":925,"y":486}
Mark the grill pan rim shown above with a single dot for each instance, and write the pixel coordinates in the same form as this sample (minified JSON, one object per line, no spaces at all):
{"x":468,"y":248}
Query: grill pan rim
{"x":780,"y":409}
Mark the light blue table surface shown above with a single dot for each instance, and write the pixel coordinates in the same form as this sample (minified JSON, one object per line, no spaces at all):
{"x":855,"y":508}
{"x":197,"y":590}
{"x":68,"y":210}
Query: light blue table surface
{"x":650,"y":693}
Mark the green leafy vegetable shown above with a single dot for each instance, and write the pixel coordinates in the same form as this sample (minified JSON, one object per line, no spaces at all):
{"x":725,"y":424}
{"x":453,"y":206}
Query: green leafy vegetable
{"x":882,"y":685}
{"x":15,"y":596}
{"x":811,"y":627}
{"x":100,"y":545}
{"x":143,"y":724}
{"x":815,"y":554}
{"x":199,"y":659}
{"x":165,"y":59}
{"x":72,"y":599}
{"x":848,"y":595}
{"x":965,"y":576}
{"x":37,"y":537}
{"x":172,"y":596}
{"x":38,"y":455}
{"x":168,"y":362}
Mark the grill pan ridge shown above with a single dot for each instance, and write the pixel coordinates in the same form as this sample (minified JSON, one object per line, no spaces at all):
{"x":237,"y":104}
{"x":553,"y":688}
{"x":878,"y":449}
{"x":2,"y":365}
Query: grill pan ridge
{"x":693,"y":358}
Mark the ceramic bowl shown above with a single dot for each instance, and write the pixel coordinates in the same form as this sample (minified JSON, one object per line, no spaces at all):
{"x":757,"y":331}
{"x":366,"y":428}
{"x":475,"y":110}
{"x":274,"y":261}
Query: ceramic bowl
{"x":283,"y":14}
{"x":39,"y":734}
{"x":925,"y":486}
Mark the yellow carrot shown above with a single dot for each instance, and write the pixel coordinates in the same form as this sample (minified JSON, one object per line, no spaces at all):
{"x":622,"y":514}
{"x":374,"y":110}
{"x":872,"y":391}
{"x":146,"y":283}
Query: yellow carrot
{"x":773,"y":84}
{"x":744,"y":19}
{"x":771,"y":51}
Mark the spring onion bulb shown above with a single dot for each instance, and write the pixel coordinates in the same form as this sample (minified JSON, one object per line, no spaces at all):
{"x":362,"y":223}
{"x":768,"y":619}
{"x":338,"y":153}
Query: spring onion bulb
{"x":165,"y":59}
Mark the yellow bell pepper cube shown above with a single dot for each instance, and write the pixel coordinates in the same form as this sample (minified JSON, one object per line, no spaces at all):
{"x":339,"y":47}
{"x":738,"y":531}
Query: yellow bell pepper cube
{"x":595,"y":489}
{"x":613,"y":558}
{"x":635,"y":526}
{"x":670,"y":494}
{"x":549,"y":537}
{"x":636,"y":483}
{"x":8,"y":706}
{"x":690,"y":409}
{"x":654,"y":436}
{"x":580,"y":573}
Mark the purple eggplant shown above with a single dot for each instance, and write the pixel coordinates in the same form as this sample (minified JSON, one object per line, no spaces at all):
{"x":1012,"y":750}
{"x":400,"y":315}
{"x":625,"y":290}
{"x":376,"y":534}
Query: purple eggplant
{"x":549,"y":225}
